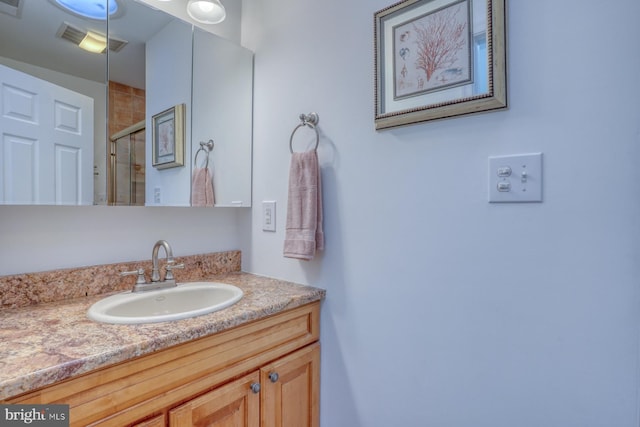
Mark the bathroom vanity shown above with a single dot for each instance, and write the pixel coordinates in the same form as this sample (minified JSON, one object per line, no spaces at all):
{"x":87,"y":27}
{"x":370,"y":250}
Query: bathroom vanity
{"x":254,"y":363}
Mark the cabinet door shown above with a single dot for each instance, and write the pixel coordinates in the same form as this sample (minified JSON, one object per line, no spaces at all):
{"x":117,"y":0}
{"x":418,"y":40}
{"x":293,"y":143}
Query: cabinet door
{"x":231,"y":405}
{"x":291,"y":388}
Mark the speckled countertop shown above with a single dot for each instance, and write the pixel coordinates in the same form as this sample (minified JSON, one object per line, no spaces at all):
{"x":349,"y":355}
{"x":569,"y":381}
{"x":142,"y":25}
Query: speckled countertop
{"x":46,"y":343}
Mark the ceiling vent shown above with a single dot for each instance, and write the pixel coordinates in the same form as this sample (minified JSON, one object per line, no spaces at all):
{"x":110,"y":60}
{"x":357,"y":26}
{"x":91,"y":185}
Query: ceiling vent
{"x":11,"y":7}
{"x":76,"y":35}
{"x":116,"y":45}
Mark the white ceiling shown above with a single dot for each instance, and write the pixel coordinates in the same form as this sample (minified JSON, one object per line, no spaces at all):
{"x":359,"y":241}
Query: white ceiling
{"x":31,"y":38}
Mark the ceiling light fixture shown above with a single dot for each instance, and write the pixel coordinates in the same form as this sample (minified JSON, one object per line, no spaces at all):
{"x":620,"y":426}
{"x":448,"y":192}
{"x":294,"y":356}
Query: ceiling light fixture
{"x":94,"y":9}
{"x":206,"y":11}
{"x":93,"y":42}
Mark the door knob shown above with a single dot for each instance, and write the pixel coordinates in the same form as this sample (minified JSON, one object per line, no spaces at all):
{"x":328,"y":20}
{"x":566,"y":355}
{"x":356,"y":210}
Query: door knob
{"x":255,"y":387}
{"x":274,"y":377}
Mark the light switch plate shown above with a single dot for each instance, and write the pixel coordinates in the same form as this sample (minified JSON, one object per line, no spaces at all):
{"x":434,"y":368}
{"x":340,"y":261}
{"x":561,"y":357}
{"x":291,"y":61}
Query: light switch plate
{"x":516,"y":178}
{"x":269,"y":216}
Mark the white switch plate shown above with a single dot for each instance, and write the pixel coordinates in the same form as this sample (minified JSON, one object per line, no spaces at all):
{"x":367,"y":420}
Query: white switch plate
{"x":269,"y":216}
{"x":515,"y":179}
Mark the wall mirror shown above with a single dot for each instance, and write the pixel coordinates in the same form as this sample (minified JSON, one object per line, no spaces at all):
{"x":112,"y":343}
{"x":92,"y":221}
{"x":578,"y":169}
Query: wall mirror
{"x":75,"y":126}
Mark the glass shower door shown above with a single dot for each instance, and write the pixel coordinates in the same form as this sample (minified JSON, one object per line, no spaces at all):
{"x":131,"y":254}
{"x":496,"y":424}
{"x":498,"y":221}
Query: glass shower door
{"x":127,"y":167}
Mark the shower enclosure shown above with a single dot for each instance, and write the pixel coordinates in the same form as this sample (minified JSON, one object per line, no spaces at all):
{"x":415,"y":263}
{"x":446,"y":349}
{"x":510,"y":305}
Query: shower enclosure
{"x":127,"y":166}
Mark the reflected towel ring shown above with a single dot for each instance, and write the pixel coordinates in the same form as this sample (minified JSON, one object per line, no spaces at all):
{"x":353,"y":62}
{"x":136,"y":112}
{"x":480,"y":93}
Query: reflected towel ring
{"x":205,"y":147}
{"x":310,"y":120}
{"x":195,"y":161}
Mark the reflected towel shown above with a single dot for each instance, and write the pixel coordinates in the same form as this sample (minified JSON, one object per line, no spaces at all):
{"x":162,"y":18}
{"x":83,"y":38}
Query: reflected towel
{"x":201,"y":187}
{"x":303,"y":234}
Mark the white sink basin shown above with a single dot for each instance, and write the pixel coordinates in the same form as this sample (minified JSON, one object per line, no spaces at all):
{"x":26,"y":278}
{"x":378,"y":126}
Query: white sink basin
{"x":181,"y":302}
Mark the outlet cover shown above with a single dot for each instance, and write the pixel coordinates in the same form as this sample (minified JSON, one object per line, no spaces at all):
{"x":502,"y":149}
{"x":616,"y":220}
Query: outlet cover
{"x":515,"y":179}
{"x":269,"y":216}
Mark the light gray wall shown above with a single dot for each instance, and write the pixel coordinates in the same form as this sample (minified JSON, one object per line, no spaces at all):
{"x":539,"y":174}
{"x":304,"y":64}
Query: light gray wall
{"x":43,"y":238}
{"x":443,"y":309}
{"x":511,"y":315}
{"x":165,"y":89}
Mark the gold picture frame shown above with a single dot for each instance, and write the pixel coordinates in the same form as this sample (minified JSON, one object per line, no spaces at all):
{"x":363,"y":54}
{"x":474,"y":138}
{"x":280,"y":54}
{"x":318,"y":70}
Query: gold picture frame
{"x":436,"y":59}
{"x":168,"y":133}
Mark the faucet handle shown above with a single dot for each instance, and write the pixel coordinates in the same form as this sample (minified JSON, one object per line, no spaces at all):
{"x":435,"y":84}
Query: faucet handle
{"x":140,"y":272}
{"x":170,"y":267}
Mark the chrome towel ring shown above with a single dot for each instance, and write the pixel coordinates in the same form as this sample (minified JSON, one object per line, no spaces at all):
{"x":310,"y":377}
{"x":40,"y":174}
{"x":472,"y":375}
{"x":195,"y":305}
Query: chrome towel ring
{"x":310,"y":120}
{"x":206,"y":148}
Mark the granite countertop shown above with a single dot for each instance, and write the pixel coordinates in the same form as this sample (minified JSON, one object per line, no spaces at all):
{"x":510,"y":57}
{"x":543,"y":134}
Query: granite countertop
{"x":46,"y":343}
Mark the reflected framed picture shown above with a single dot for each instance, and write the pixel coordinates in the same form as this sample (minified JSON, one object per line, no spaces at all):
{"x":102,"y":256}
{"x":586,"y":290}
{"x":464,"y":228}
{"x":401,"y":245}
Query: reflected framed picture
{"x":438,"y":58}
{"x":168,"y":134}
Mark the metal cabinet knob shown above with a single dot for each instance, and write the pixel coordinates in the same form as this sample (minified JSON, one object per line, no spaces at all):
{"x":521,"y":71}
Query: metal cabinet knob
{"x":255,"y":387}
{"x":274,"y":377}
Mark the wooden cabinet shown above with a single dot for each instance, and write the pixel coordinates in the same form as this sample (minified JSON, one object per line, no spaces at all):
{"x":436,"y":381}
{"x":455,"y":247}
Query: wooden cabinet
{"x":282,"y":394}
{"x":159,"y":421}
{"x":290,"y":390}
{"x":207,"y":382}
{"x":234,"y":404}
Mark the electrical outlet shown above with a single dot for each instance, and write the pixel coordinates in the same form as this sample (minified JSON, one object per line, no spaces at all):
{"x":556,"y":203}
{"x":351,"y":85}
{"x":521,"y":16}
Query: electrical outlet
{"x":269,"y":216}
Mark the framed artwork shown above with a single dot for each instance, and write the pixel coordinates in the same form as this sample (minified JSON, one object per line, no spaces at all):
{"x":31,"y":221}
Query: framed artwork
{"x":438,"y":58}
{"x":168,"y":137}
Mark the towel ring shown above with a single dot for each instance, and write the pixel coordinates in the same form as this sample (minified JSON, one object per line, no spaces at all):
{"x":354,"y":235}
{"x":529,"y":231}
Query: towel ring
{"x":205,"y":147}
{"x":310,"y":120}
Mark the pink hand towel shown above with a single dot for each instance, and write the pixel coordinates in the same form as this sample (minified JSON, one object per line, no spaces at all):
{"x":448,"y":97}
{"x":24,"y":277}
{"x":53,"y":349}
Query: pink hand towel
{"x":303,"y":234}
{"x":201,"y":188}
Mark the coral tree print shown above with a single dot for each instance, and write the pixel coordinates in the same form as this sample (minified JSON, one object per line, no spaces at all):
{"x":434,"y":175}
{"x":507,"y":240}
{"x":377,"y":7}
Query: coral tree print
{"x":433,"y":51}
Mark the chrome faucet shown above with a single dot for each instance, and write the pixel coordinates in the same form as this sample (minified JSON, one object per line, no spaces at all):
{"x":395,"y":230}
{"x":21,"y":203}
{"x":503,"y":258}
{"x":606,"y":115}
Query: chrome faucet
{"x":155,"y":273}
{"x":169,"y":280}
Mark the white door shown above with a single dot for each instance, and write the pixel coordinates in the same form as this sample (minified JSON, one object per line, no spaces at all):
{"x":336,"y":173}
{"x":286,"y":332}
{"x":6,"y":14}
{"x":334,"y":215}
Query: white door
{"x":46,"y":142}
